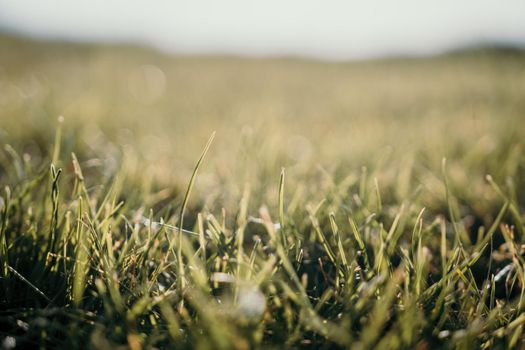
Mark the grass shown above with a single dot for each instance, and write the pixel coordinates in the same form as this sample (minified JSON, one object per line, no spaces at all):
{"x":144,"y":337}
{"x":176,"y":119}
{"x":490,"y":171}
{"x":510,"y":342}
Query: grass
{"x":375,"y":204}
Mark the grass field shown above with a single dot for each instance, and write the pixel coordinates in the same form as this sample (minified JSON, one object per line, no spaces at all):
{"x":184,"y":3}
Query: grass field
{"x":373,"y":204}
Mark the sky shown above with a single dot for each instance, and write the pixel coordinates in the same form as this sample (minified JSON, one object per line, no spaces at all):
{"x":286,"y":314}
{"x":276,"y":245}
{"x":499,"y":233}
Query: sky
{"x":330,"y":29}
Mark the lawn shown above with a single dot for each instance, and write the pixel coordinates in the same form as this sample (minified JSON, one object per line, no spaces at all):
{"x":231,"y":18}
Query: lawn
{"x":153,"y":201}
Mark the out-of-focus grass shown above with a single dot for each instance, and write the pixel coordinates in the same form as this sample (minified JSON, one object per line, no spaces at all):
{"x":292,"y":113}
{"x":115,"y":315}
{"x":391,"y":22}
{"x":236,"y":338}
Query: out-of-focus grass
{"x":368,"y":238}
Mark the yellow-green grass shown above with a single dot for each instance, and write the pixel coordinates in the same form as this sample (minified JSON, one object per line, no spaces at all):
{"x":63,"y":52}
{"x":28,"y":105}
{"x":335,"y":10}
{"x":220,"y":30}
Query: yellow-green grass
{"x":364,"y":204}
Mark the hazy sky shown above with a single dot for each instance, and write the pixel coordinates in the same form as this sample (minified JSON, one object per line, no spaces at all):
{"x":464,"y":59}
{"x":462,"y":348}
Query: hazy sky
{"x":329,"y":28}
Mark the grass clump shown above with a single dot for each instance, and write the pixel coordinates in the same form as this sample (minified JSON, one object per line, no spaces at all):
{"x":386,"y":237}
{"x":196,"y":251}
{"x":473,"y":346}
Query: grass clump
{"x":112,"y":237}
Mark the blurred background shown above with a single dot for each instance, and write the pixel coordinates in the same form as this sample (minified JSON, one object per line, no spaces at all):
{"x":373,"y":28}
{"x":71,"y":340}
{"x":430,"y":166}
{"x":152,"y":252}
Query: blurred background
{"x":332,"y":29}
{"x":321,"y":88}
